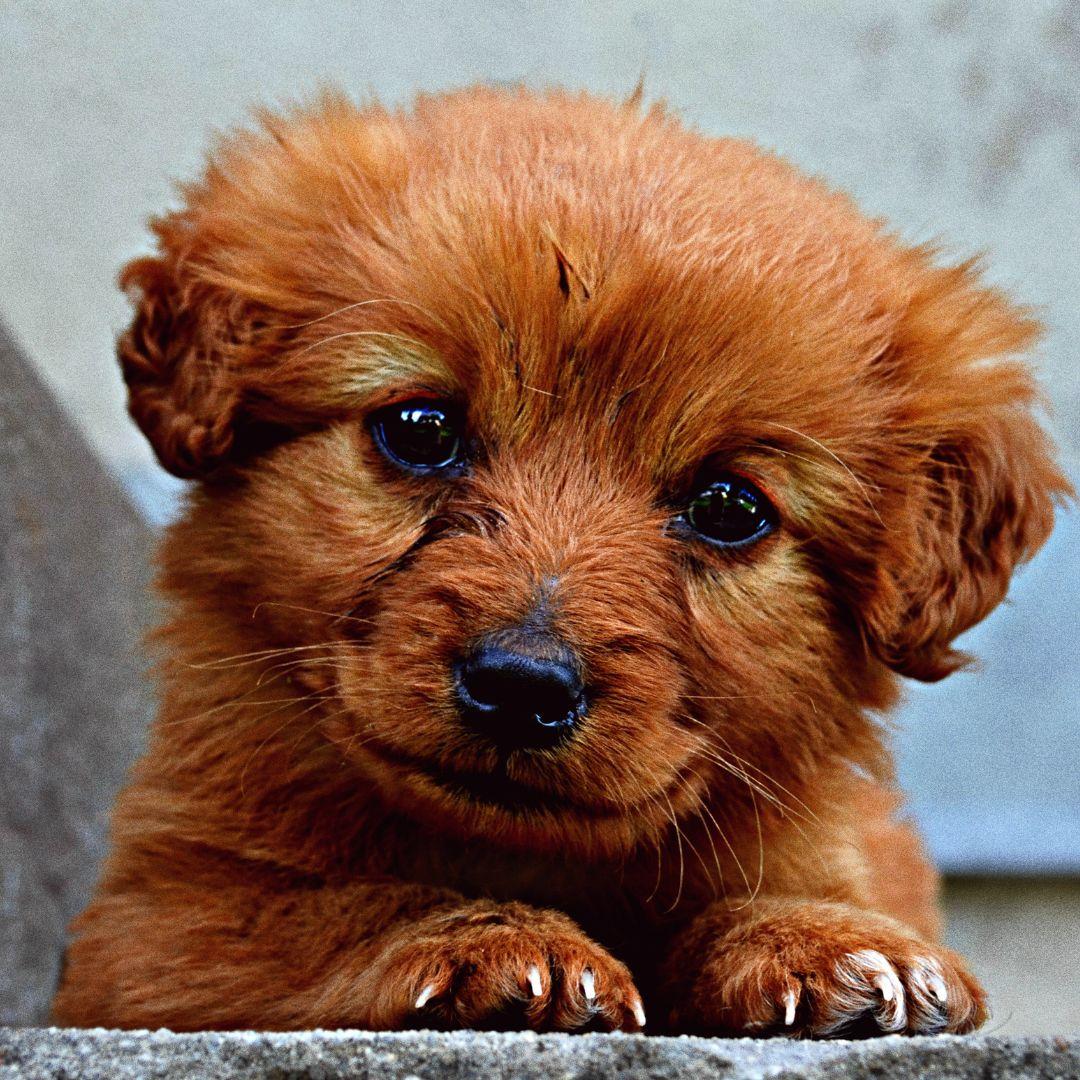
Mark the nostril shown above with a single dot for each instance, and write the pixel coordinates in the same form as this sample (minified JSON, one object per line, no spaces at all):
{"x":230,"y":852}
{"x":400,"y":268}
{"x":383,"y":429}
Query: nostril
{"x":489,"y":687}
{"x":517,"y":699}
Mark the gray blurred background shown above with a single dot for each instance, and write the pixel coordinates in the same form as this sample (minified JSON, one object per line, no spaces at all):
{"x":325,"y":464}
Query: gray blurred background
{"x":958,"y":121}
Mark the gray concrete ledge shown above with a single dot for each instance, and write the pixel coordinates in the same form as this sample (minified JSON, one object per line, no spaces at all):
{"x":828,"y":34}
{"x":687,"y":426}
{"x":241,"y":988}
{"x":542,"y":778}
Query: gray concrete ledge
{"x":127,"y":1055}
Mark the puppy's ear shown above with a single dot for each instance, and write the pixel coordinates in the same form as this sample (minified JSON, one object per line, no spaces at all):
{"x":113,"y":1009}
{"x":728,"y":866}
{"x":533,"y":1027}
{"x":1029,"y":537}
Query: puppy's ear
{"x":988,"y":506}
{"x":978,"y":491}
{"x":178,"y":361}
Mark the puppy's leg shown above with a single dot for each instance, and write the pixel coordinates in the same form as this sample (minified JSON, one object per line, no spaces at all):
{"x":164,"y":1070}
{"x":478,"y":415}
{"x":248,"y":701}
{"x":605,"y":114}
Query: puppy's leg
{"x":383,"y":955}
{"x":808,"y":968}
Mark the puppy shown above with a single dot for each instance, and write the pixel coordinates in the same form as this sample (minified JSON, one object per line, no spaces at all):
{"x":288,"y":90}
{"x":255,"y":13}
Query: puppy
{"x":572,"y":490}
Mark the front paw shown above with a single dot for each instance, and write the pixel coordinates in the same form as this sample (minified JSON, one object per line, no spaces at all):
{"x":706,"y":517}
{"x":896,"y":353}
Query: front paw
{"x":824,"y":971}
{"x":500,"y":967}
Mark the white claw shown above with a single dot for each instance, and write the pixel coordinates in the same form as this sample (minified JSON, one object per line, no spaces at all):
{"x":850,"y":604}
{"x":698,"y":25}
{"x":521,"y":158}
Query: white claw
{"x":930,"y":970}
{"x":639,"y":1013}
{"x":790,"y":1001}
{"x":588,"y":985}
{"x":425,"y":995}
{"x":535,"y":985}
{"x":892,"y":990}
{"x":883,"y":983}
{"x":857,"y":973}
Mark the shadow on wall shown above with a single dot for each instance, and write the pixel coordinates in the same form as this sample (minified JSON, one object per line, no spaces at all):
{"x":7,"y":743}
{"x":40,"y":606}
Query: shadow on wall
{"x":73,"y":701}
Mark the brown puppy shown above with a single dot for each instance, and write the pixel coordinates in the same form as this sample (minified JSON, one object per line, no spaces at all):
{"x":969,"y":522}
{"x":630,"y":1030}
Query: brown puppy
{"x":573,"y":488}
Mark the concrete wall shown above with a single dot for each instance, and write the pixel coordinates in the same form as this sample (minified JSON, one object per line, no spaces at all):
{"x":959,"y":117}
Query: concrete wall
{"x":1021,"y":937}
{"x":954,"y":119}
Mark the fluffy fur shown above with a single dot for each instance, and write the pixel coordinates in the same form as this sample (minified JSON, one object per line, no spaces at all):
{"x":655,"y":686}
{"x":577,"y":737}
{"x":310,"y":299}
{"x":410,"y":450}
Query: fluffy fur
{"x":615,"y":300}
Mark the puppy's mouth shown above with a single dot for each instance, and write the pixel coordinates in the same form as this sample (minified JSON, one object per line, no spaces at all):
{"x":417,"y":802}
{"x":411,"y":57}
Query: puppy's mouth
{"x":494,"y":788}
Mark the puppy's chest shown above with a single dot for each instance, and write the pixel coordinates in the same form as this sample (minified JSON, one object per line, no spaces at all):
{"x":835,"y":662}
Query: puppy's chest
{"x":595,"y":895}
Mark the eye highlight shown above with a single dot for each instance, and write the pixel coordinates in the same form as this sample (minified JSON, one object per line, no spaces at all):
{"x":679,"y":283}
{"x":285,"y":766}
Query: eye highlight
{"x":421,"y":436}
{"x":731,"y":512}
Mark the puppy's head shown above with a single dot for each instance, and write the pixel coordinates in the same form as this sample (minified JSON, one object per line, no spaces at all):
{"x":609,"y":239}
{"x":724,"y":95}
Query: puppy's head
{"x":609,"y":463}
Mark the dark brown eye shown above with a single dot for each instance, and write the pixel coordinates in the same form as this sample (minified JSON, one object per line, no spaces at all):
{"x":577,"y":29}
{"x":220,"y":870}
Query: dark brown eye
{"x":731,"y":512}
{"x":420,"y":436}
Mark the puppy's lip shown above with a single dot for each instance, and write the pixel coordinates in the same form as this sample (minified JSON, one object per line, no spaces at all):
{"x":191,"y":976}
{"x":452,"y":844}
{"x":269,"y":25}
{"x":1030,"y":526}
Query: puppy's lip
{"x":488,"y":789}
{"x":493,"y":788}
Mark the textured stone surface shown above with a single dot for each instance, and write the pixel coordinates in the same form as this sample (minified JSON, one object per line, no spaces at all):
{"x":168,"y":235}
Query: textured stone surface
{"x":72,"y":703}
{"x":112,"y":1055}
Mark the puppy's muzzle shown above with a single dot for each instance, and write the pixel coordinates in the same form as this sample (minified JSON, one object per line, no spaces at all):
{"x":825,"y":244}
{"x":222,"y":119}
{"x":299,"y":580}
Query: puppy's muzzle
{"x":522,"y":689}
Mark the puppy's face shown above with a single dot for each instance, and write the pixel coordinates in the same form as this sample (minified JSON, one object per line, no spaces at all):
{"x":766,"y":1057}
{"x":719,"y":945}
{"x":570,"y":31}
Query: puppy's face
{"x":616,"y":468}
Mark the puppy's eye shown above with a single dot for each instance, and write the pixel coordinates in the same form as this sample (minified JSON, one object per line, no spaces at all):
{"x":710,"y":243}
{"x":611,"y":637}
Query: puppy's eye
{"x":421,"y":436}
{"x":731,"y":512}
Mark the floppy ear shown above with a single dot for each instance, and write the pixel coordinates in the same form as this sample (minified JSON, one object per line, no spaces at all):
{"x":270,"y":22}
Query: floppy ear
{"x":988,"y":506}
{"x":978,"y":493}
{"x":179,"y":361}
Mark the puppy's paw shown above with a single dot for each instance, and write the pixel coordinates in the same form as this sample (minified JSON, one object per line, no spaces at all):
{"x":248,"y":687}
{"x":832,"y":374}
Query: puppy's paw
{"x":503,"y":967}
{"x":821,"y":971}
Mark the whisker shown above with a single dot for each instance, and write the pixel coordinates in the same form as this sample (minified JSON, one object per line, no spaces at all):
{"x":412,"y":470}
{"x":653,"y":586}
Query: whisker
{"x":751,"y":892}
{"x":259,"y":655}
{"x":344,"y":710}
{"x":287,"y":666}
{"x":858,"y":483}
{"x":310,"y":611}
{"x":344,"y":746}
{"x":731,"y":850}
{"x":682,"y":858}
{"x":280,"y":728}
{"x":761,"y":852}
{"x":704,"y":866}
{"x":411,"y":342}
{"x":717,"y":758}
{"x":733,"y":853}
{"x":537,"y":390}
{"x":359,"y":304}
{"x":657,"y":840}
{"x":788,"y":812}
{"x":239,"y":703}
{"x":351,"y":742}
{"x":766,"y":778}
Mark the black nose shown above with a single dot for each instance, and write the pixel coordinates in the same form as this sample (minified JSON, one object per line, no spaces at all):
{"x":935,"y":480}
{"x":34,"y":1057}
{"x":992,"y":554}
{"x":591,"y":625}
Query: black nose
{"x":521,"y":700}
